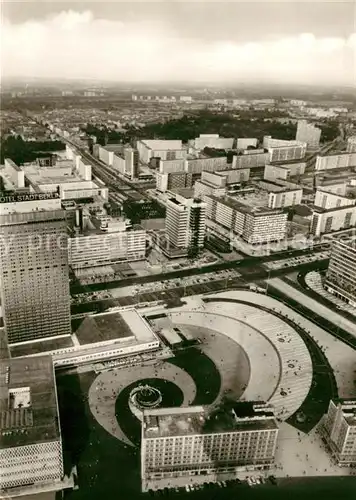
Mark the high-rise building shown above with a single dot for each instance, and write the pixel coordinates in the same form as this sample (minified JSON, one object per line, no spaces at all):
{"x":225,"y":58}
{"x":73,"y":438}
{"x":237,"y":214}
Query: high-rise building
{"x":338,"y":427}
{"x":309,"y":133}
{"x":185,"y":220}
{"x":194,"y":442}
{"x":31,"y":445}
{"x":341,"y":274}
{"x":34,"y":267}
{"x":131,"y":163}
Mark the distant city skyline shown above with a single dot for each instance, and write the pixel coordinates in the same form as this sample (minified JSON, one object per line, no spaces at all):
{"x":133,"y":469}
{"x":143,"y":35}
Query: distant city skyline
{"x":267,"y":42}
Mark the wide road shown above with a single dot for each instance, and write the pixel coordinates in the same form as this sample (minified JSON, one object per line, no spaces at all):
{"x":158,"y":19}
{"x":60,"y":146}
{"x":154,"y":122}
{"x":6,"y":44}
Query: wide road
{"x":173,"y":295}
{"x":245,"y":266}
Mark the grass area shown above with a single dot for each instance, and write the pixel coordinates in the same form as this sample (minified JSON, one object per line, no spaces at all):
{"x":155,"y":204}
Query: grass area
{"x":204,"y":373}
{"x":172,"y":395}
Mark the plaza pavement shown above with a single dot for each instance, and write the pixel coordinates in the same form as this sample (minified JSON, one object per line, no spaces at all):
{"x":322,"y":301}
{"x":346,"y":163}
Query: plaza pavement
{"x":342,"y":358}
{"x":281,"y":368}
{"x":107,"y":386}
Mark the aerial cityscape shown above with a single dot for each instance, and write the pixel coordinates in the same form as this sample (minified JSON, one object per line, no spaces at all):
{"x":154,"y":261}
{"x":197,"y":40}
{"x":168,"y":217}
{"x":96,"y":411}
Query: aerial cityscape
{"x":178,"y":250}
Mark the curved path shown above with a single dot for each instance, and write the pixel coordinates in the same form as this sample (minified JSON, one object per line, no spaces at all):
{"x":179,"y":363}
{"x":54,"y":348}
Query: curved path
{"x":107,"y":386}
{"x":263,"y":358}
{"x":280,"y":373}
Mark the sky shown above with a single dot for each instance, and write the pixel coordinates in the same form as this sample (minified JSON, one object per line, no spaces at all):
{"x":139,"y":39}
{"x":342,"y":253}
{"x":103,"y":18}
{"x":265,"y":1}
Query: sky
{"x":309,"y":42}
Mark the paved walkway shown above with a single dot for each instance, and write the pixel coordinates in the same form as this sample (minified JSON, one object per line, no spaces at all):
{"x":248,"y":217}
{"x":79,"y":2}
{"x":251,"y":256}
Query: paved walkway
{"x":107,"y":386}
{"x":315,"y":306}
{"x":281,"y":368}
{"x":263,"y":358}
{"x":342,"y":358}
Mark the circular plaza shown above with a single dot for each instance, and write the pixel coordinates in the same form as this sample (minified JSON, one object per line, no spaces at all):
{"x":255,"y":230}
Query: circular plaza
{"x":247,"y":350}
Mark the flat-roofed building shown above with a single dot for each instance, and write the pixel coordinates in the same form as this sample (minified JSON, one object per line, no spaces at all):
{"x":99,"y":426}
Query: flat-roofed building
{"x":341,"y":273}
{"x":283,"y":170}
{"x":254,"y":224}
{"x":309,"y":133}
{"x":333,"y":219}
{"x":30,"y":437}
{"x":15,"y":173}
{"x":282,"y":195}
{"x":326,"y":199}
{"x":157,"y":148}
{"x":185,"y":220}
{"x":116,"y":335}
{"x":34,"y":267}
{"x":131,"y":163}
{"x":100,"y":247}
{"x":244,"y":143}
{"x":338,"y":427}
{"x":253,"y":160}
{"x":212,"y":141}
{"x":204,"y":164}
{"x":341,"y":160}
{"x":286,"y":153}
{"x":173,"y":180}
{"x":199,"y":442}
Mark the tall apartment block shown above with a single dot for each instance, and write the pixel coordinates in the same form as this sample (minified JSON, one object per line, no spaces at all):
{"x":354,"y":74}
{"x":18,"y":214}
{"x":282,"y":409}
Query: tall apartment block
{"x":255,"y":225}
{"x":338,"y":427}
{"x":31,"y":445}
{"x":341,"y":274}
{"x":131,"y":163}
{"x":309,"y":133}
{"x":34,"y":267}
{"x":185,"y":220}
{"x":191,"y":442}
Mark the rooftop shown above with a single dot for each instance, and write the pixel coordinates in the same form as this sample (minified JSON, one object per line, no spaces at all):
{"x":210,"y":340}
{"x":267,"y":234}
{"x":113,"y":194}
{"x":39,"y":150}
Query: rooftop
{"x":28,"y":402}
{"x":102,"y":327}
{"x":246,"y":416}
{"x":242,"y":205}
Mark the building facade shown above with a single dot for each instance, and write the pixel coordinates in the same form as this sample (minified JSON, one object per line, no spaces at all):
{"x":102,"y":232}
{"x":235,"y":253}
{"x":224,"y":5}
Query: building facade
{"x":190,"y":442}
{"x":333,"y":219}
{"x":309,"y":133}
{"x":351,"y":144}
{"x":341,"y":274}
{"x":34,"y":268}
{"x":342,"y":160}
{"x":185,"y":222}
{"x":31,"y":444}
{"x":338,"y":427}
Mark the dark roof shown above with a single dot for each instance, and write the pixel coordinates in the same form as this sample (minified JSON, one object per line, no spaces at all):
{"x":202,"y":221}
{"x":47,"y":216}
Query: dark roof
{"x":37,"y":422}
{"x":103,"y":327}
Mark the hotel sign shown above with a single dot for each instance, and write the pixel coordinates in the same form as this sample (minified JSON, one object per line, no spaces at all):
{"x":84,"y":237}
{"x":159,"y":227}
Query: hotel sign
{"x":17,"y":197}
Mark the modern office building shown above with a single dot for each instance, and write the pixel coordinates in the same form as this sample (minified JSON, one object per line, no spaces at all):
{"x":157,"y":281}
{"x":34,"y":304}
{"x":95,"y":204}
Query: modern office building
{"x":34,"y":267}
{"x":351,"y":144}
{"x":31,"y":445}
{"x":196,"y":166}
{"x":338,"y":427}
{"x":341,"y":274}
{"x":309,"y":133}
{"x":194,"y":442}
{"x":254,"y":160}
{"x":185,"y":220}
{"x":112,"y":243}
{"x":341,"y":160}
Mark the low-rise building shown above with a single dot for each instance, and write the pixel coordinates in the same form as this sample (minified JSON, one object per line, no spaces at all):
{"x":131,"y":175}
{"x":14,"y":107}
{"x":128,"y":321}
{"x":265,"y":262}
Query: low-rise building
{"x":197,"y":442}
{"x":338,"y":427}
